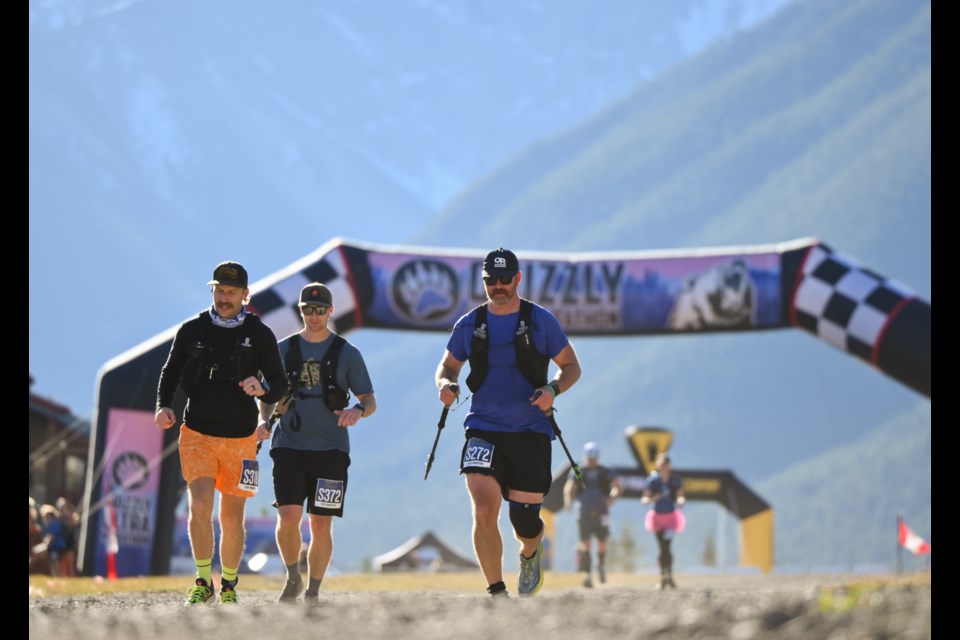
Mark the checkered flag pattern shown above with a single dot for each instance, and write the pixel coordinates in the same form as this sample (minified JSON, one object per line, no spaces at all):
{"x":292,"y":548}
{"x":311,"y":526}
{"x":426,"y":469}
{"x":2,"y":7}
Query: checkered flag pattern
{"x":846,"y":304}
{"x":276,"y":297}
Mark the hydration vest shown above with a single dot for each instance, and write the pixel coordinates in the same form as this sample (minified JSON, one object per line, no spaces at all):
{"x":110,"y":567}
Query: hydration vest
{"x":333,"y":396}
{"x":204,"y":366}
{"x":532,"y":364}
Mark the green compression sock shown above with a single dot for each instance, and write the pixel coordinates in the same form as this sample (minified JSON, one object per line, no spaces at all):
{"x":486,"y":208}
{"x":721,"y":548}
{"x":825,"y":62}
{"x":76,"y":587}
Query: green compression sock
{"x":203,"y":571}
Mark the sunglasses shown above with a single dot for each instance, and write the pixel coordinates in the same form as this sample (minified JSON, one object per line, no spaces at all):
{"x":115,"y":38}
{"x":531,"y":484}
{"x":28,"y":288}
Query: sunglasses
{"x":492,"y":280}
{"x":309,"y":310}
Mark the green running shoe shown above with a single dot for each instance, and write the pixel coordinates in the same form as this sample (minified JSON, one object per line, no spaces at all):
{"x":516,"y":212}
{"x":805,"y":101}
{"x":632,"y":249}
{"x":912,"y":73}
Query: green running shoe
{"x":228,"y":595}
{"x":531,"y":574}
{"x":199,"y":593}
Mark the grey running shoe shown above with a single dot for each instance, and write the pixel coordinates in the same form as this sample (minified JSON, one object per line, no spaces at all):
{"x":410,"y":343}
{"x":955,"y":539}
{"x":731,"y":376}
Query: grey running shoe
{"x":587,"y":581}
{"x":199,"y":593}
{"x":500,"y":595}
{"x":291,"y":590}
{"x":531,"y":576}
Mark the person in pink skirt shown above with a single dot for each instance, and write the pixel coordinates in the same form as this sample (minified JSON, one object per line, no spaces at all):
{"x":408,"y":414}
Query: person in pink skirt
{"x":665,"y":492}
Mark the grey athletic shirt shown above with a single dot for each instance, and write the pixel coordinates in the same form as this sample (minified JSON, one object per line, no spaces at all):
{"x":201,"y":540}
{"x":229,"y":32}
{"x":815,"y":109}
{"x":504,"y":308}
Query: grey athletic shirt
{"x":318,"y":425}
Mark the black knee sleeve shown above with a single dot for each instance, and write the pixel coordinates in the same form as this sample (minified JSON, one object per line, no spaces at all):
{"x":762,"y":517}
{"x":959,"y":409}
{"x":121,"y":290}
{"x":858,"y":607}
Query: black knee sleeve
{"x":525,"y":519}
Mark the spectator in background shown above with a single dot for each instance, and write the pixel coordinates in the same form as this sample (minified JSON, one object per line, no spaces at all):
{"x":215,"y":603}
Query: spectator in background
{"x":601,"y":488}
{"x":54,"y":537}
{"x":39,"y":562}
{"x":664,"y":520}
{"x":71,"y":532}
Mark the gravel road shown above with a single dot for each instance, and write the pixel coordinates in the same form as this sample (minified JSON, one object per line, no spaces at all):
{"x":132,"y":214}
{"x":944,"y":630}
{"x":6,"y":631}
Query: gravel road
{"x":716,"y":607}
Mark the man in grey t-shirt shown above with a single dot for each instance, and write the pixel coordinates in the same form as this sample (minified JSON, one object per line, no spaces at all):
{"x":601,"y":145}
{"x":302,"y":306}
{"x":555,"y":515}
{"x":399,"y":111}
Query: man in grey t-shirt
{"x":311,"y":446}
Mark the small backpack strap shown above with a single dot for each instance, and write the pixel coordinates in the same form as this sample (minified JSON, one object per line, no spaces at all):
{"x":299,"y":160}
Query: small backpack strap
{"x":532,"y":364}
{"x":479,"y":350}
{"x":333,"y":396}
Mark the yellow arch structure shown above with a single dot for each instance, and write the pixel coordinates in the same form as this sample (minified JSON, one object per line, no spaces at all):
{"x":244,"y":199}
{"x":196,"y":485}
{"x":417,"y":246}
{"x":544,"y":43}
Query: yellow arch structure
{"x":755,"y":515}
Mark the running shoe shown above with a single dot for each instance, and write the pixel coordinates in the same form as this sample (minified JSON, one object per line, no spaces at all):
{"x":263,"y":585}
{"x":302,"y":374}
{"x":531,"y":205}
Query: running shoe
{"x":291,"y":591}
{"x":531,"y":575}
{"x":228,"y":593}
{"x":587,"y":581}
{"x":199,"y":593}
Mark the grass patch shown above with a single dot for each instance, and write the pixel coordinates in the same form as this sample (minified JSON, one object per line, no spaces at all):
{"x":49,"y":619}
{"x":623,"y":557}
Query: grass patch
{"x":857,"y":594}
{"x":457,"y":581}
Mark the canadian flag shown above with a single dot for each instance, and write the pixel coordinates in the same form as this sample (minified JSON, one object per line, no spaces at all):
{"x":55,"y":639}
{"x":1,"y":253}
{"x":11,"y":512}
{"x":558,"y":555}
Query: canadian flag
{"x":912,"y":541}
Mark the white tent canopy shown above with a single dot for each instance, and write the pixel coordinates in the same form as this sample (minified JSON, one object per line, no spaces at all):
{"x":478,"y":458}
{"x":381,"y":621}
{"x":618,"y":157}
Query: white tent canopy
{"x":425,"y":552}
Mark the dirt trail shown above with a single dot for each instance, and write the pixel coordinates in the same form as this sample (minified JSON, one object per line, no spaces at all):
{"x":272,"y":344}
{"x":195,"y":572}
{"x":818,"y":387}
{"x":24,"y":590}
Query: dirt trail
{"x":715,"y":607}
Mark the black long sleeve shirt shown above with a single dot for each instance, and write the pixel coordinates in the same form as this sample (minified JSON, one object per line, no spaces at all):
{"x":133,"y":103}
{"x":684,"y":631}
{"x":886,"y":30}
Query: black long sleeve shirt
{"x":216,"y":405}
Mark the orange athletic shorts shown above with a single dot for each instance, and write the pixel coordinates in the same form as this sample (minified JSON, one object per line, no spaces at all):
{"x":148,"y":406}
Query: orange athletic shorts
{"x":203,"y":456}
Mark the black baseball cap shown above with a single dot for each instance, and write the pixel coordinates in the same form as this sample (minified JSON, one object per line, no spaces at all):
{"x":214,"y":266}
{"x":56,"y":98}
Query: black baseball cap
{"x":231,"y":274}
{"x":501,"y":262}
{"x":317,"y":294}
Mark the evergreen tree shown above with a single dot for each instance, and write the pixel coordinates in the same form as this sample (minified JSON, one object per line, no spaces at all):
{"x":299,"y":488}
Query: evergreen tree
{"x":709,"y":557}
{"x":622,"y":550}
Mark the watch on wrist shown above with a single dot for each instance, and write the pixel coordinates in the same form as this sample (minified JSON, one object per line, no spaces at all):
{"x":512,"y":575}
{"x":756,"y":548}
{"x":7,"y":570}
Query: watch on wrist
{"x":555,"y":387}
{"x":363,"y":408}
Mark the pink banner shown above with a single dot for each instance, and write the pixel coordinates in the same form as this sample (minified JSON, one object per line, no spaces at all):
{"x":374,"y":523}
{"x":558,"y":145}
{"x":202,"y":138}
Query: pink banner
{"x":130,"y":481}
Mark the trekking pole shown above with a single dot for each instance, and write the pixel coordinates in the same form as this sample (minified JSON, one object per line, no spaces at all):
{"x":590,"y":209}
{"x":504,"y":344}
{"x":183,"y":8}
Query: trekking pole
{"x":576,"y":467}
{"x":556,"y":430}
{"x":270,"y":423}
{"x":443,"y":421}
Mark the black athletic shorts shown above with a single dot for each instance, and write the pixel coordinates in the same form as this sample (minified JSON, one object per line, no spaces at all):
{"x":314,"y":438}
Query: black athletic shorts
{"x":319,"y":477}
{"x":596,"y":526}
{"x":520,"y":461}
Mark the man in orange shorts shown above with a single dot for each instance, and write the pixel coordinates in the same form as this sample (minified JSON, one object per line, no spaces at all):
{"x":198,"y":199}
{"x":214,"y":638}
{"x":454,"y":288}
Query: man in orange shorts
{"x":223,"y":359}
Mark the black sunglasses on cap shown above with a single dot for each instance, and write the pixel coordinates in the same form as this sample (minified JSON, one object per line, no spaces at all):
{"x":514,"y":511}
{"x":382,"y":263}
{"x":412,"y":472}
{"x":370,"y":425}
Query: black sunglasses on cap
{"x":310,"y":309}
{"x":492,"y":280}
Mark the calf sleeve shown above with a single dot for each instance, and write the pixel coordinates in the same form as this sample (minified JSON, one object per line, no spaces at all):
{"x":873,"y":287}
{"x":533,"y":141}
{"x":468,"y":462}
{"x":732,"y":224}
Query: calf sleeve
{"x":664,"y":558}
{"x":585,"y":561}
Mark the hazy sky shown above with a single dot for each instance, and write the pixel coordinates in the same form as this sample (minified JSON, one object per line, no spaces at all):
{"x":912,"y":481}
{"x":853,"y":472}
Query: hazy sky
{"x":155,"y":129}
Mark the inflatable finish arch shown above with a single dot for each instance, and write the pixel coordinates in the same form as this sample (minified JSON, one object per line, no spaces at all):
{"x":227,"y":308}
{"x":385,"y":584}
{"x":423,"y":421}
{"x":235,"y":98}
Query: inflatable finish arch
{"x":801,"y":283}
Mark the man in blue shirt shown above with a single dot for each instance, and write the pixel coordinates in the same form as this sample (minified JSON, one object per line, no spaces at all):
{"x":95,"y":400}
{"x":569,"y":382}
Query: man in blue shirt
{"x":506,"y":455}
